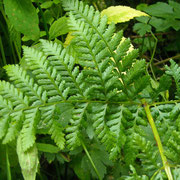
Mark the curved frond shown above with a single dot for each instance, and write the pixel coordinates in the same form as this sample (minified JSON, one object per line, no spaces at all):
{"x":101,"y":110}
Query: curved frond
{"x":45,"y":74}
{"x":28,"y":131}
{"x":24,"y":82}
{"x":74,"y":129}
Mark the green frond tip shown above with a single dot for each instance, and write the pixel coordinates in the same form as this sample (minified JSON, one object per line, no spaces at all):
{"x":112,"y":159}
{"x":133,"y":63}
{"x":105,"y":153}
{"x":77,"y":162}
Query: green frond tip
{"x":74,"y":129}
{"x":28,"y":132}
{"x":174,"y":71}
{"x":57,"y":134}
{"x":23,"y":81}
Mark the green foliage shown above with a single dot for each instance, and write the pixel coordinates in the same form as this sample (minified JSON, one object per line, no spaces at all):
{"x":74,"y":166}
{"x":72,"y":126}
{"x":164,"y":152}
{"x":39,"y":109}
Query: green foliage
{"x":164,"y":16}
{"x":174,"y":71}
{"x":59,"y":27}
{"x":92,"y":106}
{"x":23,"y":16}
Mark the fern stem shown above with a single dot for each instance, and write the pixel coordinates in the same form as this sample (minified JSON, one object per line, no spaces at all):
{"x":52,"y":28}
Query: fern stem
{"x":91,"y":161}
{"x":158,"y":141}
{"x":2,"y":52}
{"x":165,"y":102}
{"x":8,"y":165}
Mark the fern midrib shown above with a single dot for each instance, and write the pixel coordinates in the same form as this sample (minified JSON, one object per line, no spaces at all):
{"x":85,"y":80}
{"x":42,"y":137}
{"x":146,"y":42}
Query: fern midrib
{"x":76,"y":101}
{"x":95,"y":101}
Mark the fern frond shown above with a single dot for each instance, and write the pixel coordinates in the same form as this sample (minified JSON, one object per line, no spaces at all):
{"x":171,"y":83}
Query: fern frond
{"x":49,"y":122}
{"x":24,"y":82}
{"x":15,"y":124}
{"x":148,"y":154}
{"x":174,"y":71}
{"x":93,"y":46}
{"x":28,"y":131}
{"x":102,"y":131}
{"x":173,"y":144}
{"x":115,"y":124}
{"x":56,"y":131}
{"x":74,"y":129}
{"x":4,"y":124}
{"x":99,"y":71}
{"x":65,"y":65}
{"x":8,"y":91}
{"x":134,"y":175}
{"x":45,"y":74}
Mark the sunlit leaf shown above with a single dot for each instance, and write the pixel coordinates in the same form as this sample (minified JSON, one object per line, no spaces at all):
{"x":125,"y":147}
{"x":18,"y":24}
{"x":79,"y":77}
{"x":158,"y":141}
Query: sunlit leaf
{"x":119,"y":14}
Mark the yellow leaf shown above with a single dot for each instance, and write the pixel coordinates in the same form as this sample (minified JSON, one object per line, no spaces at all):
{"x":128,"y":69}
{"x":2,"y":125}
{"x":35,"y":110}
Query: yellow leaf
{"x":119,"y":14}
{"x":68,"y":39}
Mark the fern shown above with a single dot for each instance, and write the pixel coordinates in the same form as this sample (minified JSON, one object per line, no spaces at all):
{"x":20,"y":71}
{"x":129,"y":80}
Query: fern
{"x":174,"y":71}
{"x":102,"y":95}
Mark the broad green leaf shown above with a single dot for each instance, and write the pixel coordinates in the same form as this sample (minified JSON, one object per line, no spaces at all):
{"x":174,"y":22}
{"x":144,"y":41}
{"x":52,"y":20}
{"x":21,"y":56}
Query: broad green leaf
{"x":143,"y":19}
{"x":141,"y":6}
{"x":160,"y":9}
{"x":158,"y":23}
{"x":119,"y":14}
{"x":176,"y":7}
{"x":59,"y":27}
{"x":47,"y":148}
{"x":142,"y":28}
{"x":56,"y":1}
{"x":46,"y":4}
{"x":28,"y":160}
{"x":23,"y":17}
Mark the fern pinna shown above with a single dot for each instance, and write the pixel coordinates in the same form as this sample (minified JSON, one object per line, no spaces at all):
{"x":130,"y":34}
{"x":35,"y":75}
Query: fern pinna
{"x":103,"y":94}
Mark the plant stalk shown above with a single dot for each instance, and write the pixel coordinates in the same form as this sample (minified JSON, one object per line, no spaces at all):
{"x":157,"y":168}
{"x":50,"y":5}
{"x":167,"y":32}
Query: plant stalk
{"x":8,"y":165}
{"x":91,"y":161}
{"x":44,"y":20}
{"x":2,"y":52}
{"x":152,"y":56}
{"x":158,"y":141}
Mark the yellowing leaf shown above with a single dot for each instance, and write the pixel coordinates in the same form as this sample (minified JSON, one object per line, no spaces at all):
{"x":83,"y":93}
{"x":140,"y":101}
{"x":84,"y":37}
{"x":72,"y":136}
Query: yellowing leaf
{"x":119,"y":14}
{"x":68,"y":39}
{"x":28,"y":160}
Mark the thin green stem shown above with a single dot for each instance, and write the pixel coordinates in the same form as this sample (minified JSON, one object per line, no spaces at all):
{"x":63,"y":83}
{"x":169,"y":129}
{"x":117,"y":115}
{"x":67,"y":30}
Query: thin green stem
{"x":17,"y":51}
{"x":168,"y":59}
{"x":158,"y":140}
{"x":154,"y":175}
{"x":57,"y":170}
{"x":141,"y":49}
{"x":91,"y":161}
{"x":153,"y":53}
{"x":6,"y":33}
{"x":8,"y":168}
{"x":2,"y":52}
{"x":43,"y":18}
{"x":165,"y":102}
